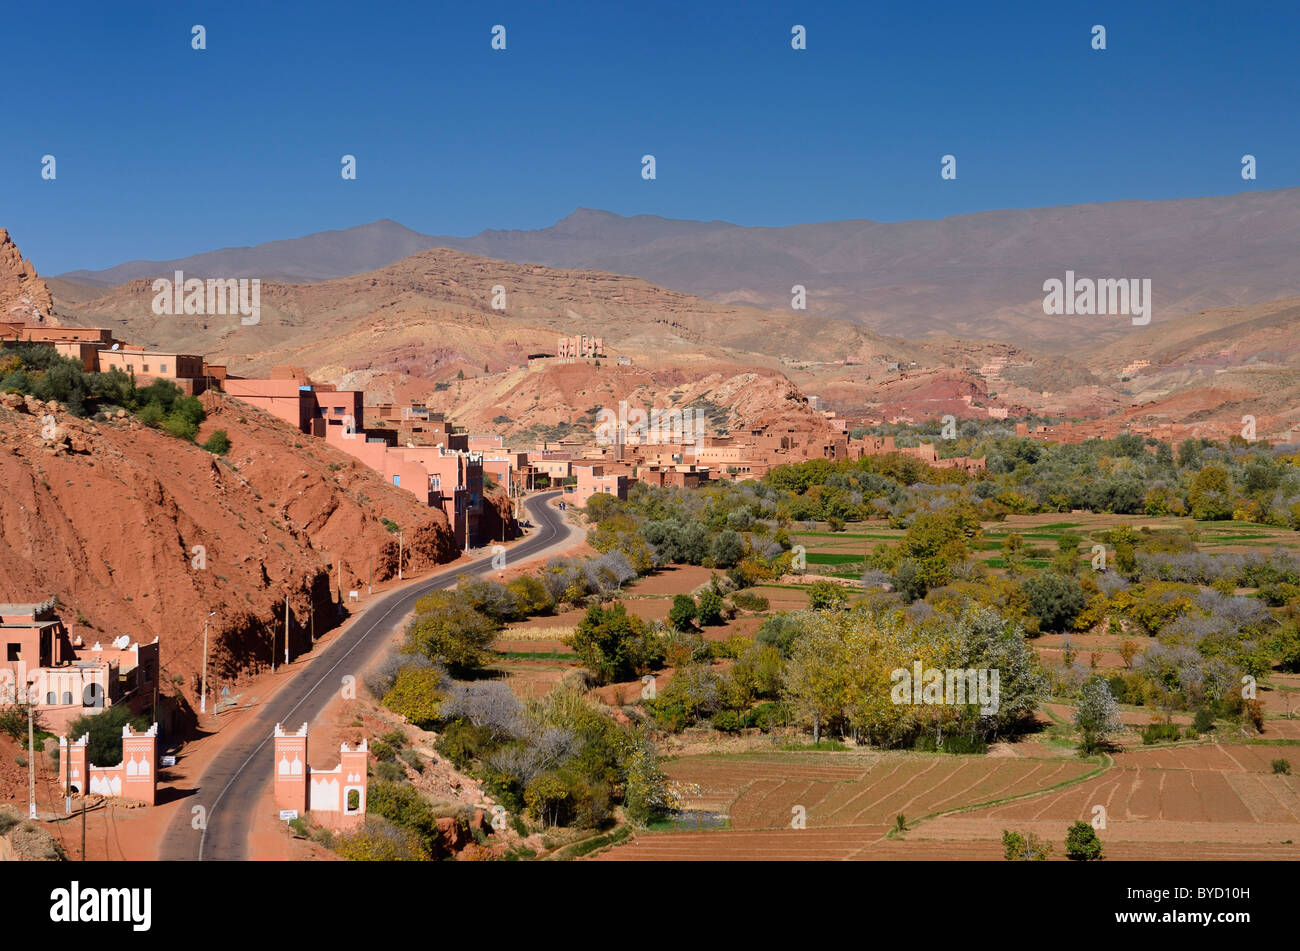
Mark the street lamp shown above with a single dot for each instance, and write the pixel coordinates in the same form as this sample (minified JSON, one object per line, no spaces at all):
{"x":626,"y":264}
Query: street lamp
{"x":203,"y":695}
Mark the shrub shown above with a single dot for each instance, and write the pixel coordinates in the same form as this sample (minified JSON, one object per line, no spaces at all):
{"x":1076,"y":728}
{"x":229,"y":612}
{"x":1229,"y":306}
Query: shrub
{"x":381,"y":841}
{"x":402,"y":805}
{"x":1282,"y":767}
{"x":767,"y":716}
{"x":826,"y":595}
{"x":463,"y":743}
{"x":1160,"y":732}
{"x":748,"y":601}
{"x":1204,"y":721}
{"x":218,"y":443}
{"x":380,"y":680}
{"x":412,"y":759}
{"x":728,"y":721}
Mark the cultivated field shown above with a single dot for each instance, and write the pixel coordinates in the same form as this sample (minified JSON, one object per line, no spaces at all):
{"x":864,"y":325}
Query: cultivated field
{"x":850,"y":800}
{"x":1196,"y":801}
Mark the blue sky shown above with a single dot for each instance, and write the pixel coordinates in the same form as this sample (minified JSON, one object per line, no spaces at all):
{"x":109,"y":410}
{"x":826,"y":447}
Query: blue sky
{"x":164,"y":151}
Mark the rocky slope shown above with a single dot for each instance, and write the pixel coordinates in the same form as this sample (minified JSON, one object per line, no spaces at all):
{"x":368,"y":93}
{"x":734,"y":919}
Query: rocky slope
{"x":1212,"y":367}
{"x":107,"y":517}
{"x":23,"y":295}
{"x":402,"y":331}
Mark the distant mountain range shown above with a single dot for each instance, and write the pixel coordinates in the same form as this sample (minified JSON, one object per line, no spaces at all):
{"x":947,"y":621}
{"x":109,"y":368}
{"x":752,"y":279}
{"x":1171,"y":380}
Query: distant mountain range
{"x":975,"y":276}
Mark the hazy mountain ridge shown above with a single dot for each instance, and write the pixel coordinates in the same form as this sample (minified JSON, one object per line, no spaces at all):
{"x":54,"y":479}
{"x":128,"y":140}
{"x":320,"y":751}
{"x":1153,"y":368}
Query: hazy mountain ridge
{"x":974,"y":275}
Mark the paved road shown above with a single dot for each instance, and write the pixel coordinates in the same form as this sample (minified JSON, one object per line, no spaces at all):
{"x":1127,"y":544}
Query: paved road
{"x":231,"y":787}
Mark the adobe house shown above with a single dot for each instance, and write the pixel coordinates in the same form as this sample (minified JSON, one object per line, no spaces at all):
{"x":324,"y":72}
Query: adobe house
{"x":136,"y":777}
{"x":593,"y":480}
{"x":333,"y":796}
{"x":63,"y":679}
{"x":145,"y":366}
{"x":446,"y":477}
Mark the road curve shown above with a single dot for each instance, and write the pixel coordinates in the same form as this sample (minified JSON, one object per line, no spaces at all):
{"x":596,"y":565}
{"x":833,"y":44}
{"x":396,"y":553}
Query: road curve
{"x":231,"y":786}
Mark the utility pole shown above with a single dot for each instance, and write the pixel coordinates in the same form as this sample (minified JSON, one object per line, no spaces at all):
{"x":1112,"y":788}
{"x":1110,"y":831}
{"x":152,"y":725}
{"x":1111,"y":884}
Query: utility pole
{"x":286,"y":629}
{"x":31,"y":757}
{"x":399,"y":556}
{"x":203,"y":695}
{"x":67,"y":783}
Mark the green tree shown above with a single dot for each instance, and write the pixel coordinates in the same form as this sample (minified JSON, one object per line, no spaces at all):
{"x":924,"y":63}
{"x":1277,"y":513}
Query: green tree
{"x":447,"y":629}
{"x":548,"y":799}
{"x":1055,"y":599}
{"x":1024,"y":848}
{"x":726,"y":549}
{"x":681,"y":616}
{"x":104,"y":746}
{"x":416,"y":695}
{"x":611,"y":643}
{"x":1082,"y":843}
{"x":1210,"y":496}
{"x":779,"y":631}
{"x":646,"y":795}
{"x":1097,"y":715}
{"x":820,"y":675}
{"x":826,"y":595}
{"x":710,"y":609}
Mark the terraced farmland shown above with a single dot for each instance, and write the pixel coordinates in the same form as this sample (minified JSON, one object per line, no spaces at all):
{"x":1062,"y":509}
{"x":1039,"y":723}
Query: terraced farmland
{"x":849,"y":800}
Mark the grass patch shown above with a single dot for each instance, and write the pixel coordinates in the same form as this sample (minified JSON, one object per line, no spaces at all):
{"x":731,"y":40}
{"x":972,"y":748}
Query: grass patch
{"x":826,"y":558}
{"x":595,"y":843}
{"x":535,"y":655}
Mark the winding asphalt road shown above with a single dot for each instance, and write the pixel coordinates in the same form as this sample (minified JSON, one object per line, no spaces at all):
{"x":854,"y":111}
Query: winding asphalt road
{"x":232,"y":785}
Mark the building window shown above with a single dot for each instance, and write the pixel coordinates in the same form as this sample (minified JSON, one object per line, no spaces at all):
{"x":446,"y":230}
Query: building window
{"x":338,"y":410}
{"x":162,"y":368}
{"x":49,"y":699}
{"x":67,"y":697}
{"x":14,"y":652}
{"x":397,"y":480}
{"x":144,"y":368}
